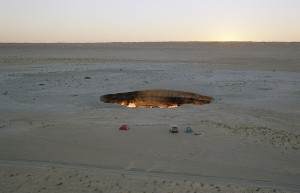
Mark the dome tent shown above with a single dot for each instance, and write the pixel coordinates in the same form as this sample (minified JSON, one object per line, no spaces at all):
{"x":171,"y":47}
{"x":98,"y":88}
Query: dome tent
{"x":188,"y":130}
{"x":124,"y":128}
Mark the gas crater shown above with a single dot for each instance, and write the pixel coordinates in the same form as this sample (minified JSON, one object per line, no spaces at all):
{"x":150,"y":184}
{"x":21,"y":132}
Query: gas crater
{"x":156,"y":99}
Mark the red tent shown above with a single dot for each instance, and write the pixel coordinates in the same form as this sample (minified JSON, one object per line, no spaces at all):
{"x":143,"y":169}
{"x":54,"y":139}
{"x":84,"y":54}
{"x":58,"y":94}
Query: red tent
{"x":124,"y":128}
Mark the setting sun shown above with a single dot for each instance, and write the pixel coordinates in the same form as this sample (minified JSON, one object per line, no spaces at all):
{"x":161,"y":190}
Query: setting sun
{"x":228,"y":38}
{"x":229,"y":35}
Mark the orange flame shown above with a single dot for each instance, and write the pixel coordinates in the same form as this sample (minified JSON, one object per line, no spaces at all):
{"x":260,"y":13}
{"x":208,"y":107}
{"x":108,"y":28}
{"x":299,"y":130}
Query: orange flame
{"x":134,"y":105}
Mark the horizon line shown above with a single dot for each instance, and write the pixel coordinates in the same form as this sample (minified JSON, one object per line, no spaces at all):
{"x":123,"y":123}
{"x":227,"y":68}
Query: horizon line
{"x":112,"y":42}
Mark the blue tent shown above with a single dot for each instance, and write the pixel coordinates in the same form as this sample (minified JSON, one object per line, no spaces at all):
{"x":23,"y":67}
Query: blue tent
{"x":188,"y":130}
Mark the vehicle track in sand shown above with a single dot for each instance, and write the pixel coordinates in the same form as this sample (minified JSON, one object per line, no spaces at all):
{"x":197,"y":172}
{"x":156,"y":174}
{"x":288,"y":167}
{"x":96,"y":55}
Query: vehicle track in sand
{"x":154,"y":174}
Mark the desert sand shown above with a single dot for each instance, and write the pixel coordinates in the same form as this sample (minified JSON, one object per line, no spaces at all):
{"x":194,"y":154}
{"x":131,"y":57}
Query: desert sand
{"x":57,"y":136}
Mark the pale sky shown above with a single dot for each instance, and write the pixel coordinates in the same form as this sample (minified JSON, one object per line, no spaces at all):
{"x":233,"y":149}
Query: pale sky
{"x":149,"y":20}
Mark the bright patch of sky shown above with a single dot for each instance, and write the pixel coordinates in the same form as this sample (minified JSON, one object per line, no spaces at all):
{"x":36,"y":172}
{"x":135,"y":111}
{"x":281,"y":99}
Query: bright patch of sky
{"x":149,"y":20}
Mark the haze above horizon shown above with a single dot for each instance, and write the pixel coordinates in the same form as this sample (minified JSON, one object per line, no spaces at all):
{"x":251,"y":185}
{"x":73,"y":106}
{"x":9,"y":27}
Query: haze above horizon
{"x":78,"y":21}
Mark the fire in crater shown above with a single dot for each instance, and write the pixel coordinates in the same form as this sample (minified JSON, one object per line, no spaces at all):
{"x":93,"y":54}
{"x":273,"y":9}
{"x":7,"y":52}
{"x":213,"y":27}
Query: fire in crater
{"x":156,"y":99}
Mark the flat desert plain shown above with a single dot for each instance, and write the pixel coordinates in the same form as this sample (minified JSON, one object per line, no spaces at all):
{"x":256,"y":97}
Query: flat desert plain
{"x":57,"y":136}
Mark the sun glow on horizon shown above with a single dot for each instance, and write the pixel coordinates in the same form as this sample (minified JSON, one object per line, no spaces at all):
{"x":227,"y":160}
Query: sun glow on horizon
{"x":228,"y":38}
{"x":141,"y":21}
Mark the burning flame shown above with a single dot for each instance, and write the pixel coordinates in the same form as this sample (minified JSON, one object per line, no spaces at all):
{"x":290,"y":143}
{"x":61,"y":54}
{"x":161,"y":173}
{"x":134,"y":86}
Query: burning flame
{"x":171,"y":106}
{"x":134,"y":105}
{"x":131,"y":105}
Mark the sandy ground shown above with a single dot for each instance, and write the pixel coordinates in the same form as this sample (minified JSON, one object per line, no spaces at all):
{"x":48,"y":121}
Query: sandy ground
{"x":56,"y":136}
